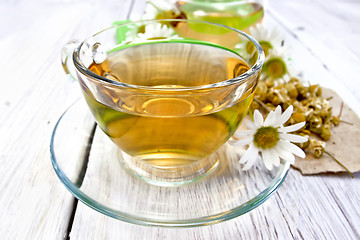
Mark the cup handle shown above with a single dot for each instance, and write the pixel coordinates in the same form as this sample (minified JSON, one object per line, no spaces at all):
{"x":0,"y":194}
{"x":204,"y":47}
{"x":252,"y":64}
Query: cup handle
{"x":67,"y":60}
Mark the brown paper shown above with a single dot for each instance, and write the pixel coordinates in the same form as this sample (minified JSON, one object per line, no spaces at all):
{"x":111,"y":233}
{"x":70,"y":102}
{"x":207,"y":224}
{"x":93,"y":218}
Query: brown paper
{"x":344,"y":143}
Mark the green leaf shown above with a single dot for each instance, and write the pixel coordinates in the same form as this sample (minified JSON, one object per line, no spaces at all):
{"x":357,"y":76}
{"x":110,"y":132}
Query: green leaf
{"x":121,"y":30}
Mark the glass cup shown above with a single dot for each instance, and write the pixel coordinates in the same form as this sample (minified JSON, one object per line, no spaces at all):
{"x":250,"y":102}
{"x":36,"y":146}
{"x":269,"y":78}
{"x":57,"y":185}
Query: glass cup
{"x":168,"y":93}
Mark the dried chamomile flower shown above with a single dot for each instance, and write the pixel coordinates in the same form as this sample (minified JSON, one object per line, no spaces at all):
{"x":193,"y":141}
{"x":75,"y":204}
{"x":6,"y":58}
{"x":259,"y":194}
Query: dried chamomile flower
{"x":317,"y":147}
{"x":309,"y":105}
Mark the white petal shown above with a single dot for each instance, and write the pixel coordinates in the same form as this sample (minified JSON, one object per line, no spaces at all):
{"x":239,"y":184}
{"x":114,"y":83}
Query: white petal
{"x":285,"y":116}
{"x":252,"y":31}
{"x":238,"y":151}
{"x":251,"y":161}
{"x":244,"y":133}
{"x":258,"y":119}
{"x":269,"y":121}
{"x":250,"y":124}
{"x":249,"y":152}
{"x":242,"y":142}
{"x":293,"y":137}
{"x":266,"y":155}
{"x":292,"y":128}
{"x":291,"y":148}
{"x":286,"y":155}
{"x":278,"y":111}
{"x":277,"y":115}
{"x":274,"y":157}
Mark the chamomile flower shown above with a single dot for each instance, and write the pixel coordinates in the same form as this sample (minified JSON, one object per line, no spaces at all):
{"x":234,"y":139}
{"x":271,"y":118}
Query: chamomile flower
{"x":277,"y":64}
{"x":270,"y":140}
{"x":268,"y":40}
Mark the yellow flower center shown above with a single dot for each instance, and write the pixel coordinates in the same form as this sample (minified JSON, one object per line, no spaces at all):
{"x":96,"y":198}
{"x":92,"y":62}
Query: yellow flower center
{"x":141,"y":29}
{"x":275,"y":68}
{"x":266,"y":137}
{"x":266,"y":46}
{"x":250,"y":48}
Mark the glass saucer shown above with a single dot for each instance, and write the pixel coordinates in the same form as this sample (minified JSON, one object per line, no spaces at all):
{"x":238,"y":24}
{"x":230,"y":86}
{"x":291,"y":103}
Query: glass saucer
{"x":88,"y":164}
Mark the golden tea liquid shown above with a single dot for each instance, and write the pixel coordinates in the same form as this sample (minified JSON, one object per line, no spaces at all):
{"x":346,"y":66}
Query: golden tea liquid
{"x":169,"y":131}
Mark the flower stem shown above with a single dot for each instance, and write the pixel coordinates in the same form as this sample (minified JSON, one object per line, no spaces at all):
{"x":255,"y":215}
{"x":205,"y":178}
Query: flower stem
{"x":341,"y":109}
{"x":349,"y":123}
{"x":339,"y":163}
{"x":251,"y":115}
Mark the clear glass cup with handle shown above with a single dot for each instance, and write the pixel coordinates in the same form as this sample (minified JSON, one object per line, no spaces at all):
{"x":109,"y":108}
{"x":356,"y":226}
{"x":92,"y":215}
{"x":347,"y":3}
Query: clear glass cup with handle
{"x":168,"y":93}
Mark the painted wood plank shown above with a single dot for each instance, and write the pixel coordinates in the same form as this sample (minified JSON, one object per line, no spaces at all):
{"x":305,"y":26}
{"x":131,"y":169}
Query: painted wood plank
{"x":330,"y":31}
{"x":34,"y":93}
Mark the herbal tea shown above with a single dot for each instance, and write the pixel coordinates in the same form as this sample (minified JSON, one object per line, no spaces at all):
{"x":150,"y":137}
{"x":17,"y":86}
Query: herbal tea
{"x":168,"y":131}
